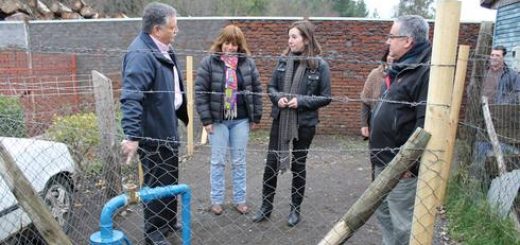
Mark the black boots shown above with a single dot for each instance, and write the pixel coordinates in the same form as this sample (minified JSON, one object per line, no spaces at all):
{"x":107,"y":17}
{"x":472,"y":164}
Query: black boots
{"x":263,"y":213}
{"x":294,"y":216}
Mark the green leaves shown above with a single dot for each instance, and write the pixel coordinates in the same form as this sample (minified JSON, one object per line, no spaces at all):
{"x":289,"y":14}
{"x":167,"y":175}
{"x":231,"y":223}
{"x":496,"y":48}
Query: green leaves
{"x":79,"y":132}
{"x":12,"y":122}
{"x":416,"y":7}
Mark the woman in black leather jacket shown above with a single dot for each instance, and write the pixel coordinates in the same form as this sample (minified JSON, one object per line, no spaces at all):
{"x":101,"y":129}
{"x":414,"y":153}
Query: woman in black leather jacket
{"x":300,"y":85}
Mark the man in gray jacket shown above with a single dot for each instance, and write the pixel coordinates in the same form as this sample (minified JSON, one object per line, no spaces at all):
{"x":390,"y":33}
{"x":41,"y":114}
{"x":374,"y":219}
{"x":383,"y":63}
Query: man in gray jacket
{"x":501,"y":86}
{"x":152,"y":100}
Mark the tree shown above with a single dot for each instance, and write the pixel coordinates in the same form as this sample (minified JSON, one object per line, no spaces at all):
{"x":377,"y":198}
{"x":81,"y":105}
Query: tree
{"x":300,"y":8}
{"x":375,"y":14}
{"x":350,"y":8}
{"x":415,"y":7}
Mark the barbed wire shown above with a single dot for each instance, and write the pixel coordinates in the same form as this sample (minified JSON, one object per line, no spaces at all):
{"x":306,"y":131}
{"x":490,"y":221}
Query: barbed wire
{"x":198,"y":52}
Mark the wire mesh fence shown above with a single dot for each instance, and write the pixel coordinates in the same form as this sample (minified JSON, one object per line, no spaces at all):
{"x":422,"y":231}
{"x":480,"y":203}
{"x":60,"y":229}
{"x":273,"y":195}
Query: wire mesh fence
{"x":73,"y":181}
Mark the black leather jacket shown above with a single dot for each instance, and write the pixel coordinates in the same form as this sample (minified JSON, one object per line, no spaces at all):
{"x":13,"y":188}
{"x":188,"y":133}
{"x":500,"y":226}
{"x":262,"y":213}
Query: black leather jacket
{"x":314,"y":92}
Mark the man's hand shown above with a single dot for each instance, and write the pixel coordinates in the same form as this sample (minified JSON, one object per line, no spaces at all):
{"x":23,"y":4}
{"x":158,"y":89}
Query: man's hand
{"x":407,"y":175}
{"x":253,"y":126}
{"x":293,"y":103}
{"x":365,"y":132}
{"x":129,"y":148}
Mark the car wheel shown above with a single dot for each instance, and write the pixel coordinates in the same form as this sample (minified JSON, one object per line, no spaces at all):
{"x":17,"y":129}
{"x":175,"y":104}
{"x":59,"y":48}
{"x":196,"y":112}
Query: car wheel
{"x":58,"y":197}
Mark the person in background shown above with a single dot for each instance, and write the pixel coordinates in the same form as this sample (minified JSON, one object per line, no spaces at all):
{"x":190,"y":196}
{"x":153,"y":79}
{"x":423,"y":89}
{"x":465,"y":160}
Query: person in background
{"x":401,"y":110}
{"x":502,"y":87}
{"x":152,"y":99}
{"x":229,"y":103}
{"x":377,"y":80}
{"x":300,"y":85}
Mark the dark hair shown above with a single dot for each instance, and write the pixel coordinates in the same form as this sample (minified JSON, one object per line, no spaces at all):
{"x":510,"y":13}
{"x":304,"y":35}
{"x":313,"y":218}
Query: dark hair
{"x":384,"y":58}
{"x":313,"y":48}
{"x":232,"y":34}
{"x":156,"y":14}
{"x":500,"y":47}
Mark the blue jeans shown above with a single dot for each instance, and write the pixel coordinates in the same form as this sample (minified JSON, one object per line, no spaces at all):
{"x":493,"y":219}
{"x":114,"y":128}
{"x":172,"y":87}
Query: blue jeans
{"x":235,"y":135}
{"x":483,"y":149}
{"x":396,"y":211}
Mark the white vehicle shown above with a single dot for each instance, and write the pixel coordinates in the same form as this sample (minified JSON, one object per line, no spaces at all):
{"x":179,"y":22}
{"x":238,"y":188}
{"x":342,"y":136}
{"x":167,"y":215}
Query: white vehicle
{"x":49,"y":168}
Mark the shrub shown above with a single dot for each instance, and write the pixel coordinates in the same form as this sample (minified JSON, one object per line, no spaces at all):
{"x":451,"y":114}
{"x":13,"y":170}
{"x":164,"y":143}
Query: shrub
{"x":79,"y":132}
{"x":12,"y":122}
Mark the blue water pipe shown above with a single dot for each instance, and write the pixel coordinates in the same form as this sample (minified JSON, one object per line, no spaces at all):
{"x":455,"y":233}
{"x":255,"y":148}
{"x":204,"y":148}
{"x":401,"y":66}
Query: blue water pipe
{"x":106,"y":233}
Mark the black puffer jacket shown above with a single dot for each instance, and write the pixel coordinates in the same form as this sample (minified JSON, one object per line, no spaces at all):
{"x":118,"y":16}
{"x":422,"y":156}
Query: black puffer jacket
{"x":314,"y":92}
{"x":210,"y":84}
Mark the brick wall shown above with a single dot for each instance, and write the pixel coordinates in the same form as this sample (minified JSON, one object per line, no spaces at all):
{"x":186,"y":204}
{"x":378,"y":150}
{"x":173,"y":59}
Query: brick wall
{"x":351,"y":46}
{"x":45,"y":83}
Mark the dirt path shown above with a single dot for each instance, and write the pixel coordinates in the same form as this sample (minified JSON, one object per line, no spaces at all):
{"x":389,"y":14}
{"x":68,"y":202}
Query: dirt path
{"x":337,"y":171}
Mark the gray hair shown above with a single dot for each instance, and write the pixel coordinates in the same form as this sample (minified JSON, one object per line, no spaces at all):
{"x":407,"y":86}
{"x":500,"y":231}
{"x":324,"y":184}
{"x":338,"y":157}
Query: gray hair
{"x":413,"y":26}
{"x":156,"y":14}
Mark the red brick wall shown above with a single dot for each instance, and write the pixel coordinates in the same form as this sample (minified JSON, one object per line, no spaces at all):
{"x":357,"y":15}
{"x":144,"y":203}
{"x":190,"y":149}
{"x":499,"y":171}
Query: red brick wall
{"x":352,"y":48}
{"x":47,"y":86}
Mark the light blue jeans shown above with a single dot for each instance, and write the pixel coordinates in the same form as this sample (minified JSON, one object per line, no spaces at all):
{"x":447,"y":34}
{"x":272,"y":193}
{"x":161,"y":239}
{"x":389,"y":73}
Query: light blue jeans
{"x":396,"y":212}
{"x":232,"y":134}
{"x":483,"y":149}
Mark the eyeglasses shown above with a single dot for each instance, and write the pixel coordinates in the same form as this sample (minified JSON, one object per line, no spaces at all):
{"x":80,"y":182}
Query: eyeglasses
{"x":391,"y":36}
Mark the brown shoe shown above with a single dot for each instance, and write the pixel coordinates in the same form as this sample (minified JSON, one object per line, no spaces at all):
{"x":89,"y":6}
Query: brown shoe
{"x":216,"y":209}
{"x":242,"y":208}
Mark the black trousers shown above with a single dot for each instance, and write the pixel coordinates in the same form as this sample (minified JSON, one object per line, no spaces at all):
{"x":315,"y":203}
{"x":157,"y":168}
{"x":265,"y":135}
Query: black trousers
{"x":160,"y":167}
{"x":298,"y":159}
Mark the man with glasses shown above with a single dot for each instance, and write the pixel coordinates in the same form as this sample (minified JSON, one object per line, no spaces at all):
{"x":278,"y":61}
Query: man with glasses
{"x":152,"y":100}
{"x":395,"y":118}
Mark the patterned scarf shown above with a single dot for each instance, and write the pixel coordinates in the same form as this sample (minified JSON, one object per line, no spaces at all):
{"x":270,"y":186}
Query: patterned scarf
{"x":288,"y":130}
{"x":230,"y":92}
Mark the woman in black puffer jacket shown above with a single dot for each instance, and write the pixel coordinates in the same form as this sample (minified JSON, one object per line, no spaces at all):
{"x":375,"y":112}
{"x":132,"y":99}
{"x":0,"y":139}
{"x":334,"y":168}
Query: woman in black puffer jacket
{"x":229,"y":103}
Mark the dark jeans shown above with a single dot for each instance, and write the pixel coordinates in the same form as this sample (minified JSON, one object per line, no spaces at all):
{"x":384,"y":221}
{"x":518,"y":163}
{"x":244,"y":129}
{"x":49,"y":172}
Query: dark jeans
{"x":160,"y":166}
{"x":299,"y":156}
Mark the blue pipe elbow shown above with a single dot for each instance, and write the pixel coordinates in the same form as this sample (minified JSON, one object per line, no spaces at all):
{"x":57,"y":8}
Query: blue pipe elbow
{"x":105,"y":222}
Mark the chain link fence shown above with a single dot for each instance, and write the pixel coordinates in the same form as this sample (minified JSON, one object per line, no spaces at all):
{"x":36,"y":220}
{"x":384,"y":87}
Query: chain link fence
{"x":53,"y":134}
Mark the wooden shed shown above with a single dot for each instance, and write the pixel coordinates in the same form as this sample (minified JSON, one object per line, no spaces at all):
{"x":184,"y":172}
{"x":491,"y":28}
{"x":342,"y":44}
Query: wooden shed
{"x":507,"y":28}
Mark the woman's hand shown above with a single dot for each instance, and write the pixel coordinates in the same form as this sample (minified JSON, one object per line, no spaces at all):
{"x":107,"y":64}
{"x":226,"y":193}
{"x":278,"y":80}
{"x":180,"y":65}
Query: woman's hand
{"x":365,"y":132}
{"x":283,"y":102}
{"x":293,"y":103}
{"x":209,"y":128}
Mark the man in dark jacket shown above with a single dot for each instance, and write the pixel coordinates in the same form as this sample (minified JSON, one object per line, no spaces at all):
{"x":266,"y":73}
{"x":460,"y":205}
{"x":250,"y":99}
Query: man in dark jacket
{"x":152,"y":100}
{"x":401,"y":111}
{"x":502,"y":87}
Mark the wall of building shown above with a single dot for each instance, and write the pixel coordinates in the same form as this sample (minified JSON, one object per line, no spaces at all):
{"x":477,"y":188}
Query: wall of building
{"x":507,"y":32}
{"x":351,"y":46}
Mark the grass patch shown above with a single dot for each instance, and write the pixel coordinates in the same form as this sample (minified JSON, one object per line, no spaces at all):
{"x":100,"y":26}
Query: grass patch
{"x":472,"y":222}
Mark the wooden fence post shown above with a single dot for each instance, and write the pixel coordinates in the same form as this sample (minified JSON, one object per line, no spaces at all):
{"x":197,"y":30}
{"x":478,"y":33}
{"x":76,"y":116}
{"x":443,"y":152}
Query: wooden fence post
{"x":456,"y":101}
{"x":473,"y":112}
{"x":108,"y":147}
{"x":30,"y":201}
{"x":437,"y":119}
{"x":374,"y":195}
{"x":189,"y":80}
